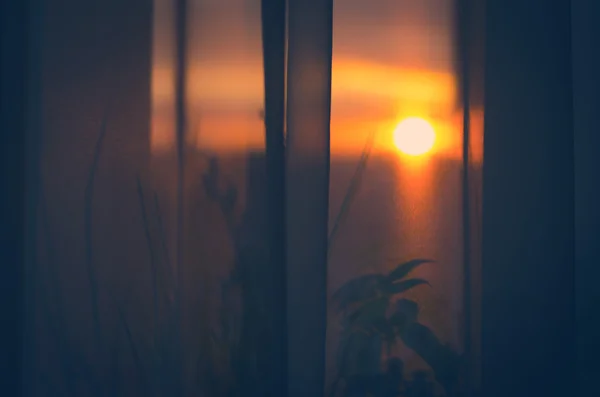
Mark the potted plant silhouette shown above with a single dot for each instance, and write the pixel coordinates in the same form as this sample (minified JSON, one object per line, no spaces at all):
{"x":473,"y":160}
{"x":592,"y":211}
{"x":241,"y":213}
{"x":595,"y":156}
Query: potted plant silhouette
{"x":373,"y":318}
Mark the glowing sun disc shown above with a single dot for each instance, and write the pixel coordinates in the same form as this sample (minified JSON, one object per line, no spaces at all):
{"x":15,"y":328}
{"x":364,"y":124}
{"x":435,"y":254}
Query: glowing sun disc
{"x":414,"y":136}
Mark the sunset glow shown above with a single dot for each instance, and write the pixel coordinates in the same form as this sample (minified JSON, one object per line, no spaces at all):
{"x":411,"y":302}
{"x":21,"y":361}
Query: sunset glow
{"x":377,"y":80}
{"x":396,"y":123}
{"x":414,"y":136}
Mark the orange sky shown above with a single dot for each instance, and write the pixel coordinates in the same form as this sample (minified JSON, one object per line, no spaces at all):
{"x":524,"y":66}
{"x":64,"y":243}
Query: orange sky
{"x":391,"y":59}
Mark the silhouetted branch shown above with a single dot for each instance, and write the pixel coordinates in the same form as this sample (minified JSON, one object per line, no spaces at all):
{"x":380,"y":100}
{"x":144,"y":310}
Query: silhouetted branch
{"x":153,"y":268}
{"x":71,"y":362}
{"x":370,"y":297}
{"x":134,"y":352}
{"x":88,"y":208}
{"x":352,"y":190}
{"x":161,"y":234}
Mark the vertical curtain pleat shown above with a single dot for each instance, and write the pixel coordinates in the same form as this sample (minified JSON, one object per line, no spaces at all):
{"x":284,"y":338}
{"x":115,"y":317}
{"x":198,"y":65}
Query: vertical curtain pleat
{"x":17,"y":39}
{"x":181,"y":9}
{"x":308,"y":116}
{"x":273,"y":32}
{"x":463,"y":20}
{"x":471,"y":25}
{"x":586,"y":101}
{"x":528,"y":203}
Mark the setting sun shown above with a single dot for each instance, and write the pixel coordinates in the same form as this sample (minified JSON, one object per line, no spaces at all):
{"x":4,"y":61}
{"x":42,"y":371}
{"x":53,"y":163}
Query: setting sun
{"x":414,"y":136}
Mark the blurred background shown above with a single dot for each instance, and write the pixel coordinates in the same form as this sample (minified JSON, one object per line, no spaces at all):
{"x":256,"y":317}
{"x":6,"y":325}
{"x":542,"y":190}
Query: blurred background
{"x":149,"y":208}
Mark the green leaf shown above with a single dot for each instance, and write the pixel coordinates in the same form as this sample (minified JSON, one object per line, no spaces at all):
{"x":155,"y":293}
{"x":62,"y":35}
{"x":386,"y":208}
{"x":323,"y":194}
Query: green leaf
{"x":388,"y":333}
{"x":357,"y":290}
{"x":398,"y":321}
{"x":405,"y":268}
{"x":442,"y":359}
{"x":344,"y":350}
{"x":408,"y":308}
{"x":406,"y":312}
{"x":135,"y":353}
{"x":403,"y":286}
{"x":370,"y":315}
{"x":352,"y":350}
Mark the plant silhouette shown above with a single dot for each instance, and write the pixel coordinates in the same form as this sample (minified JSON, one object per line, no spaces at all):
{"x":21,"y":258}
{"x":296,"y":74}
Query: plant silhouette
{"x":240,"y":338}
{"x":385,"y":384}
{"x":155,"y":362}
{"x":420,"y":386}
{"x":372,"y":321}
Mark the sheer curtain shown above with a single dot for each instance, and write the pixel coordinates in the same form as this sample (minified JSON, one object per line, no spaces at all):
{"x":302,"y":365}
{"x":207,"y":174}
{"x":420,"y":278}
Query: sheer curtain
{"x":404,"y":219}
{"x":307,"y":151}
{"x":158,"y":261}
{"x":212,"y":180}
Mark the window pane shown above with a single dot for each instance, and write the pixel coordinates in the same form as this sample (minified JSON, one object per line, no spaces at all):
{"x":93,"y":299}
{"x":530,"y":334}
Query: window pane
{"x":307,"y":173}
{"x":226,"y":276}
{"x":396,"y":200}
{"x":152,"y":268}
{"x":88,"y":152}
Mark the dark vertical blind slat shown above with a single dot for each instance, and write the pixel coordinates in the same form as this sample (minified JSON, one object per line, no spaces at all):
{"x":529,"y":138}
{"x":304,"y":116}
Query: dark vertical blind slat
{"x":586,"y":98}
{"x":471,"y":25}
{"x":273,"y":14}
{"x":14,"y":53}
{"x":464,"y":21}
{"x":33,"y":144}
{"x":180,"y":124}
{"x":528,"y":265}
{"x":308,"y":115}
{"x":181,"y":32}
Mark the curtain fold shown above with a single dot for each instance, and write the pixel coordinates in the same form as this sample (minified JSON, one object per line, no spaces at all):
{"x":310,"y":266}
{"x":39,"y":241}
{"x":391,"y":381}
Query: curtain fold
{"x":308,"y":130}
{"x":273,"y":14}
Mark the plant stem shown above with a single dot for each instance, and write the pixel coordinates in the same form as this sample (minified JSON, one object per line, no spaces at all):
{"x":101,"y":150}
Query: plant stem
{"x":352,"y":190}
